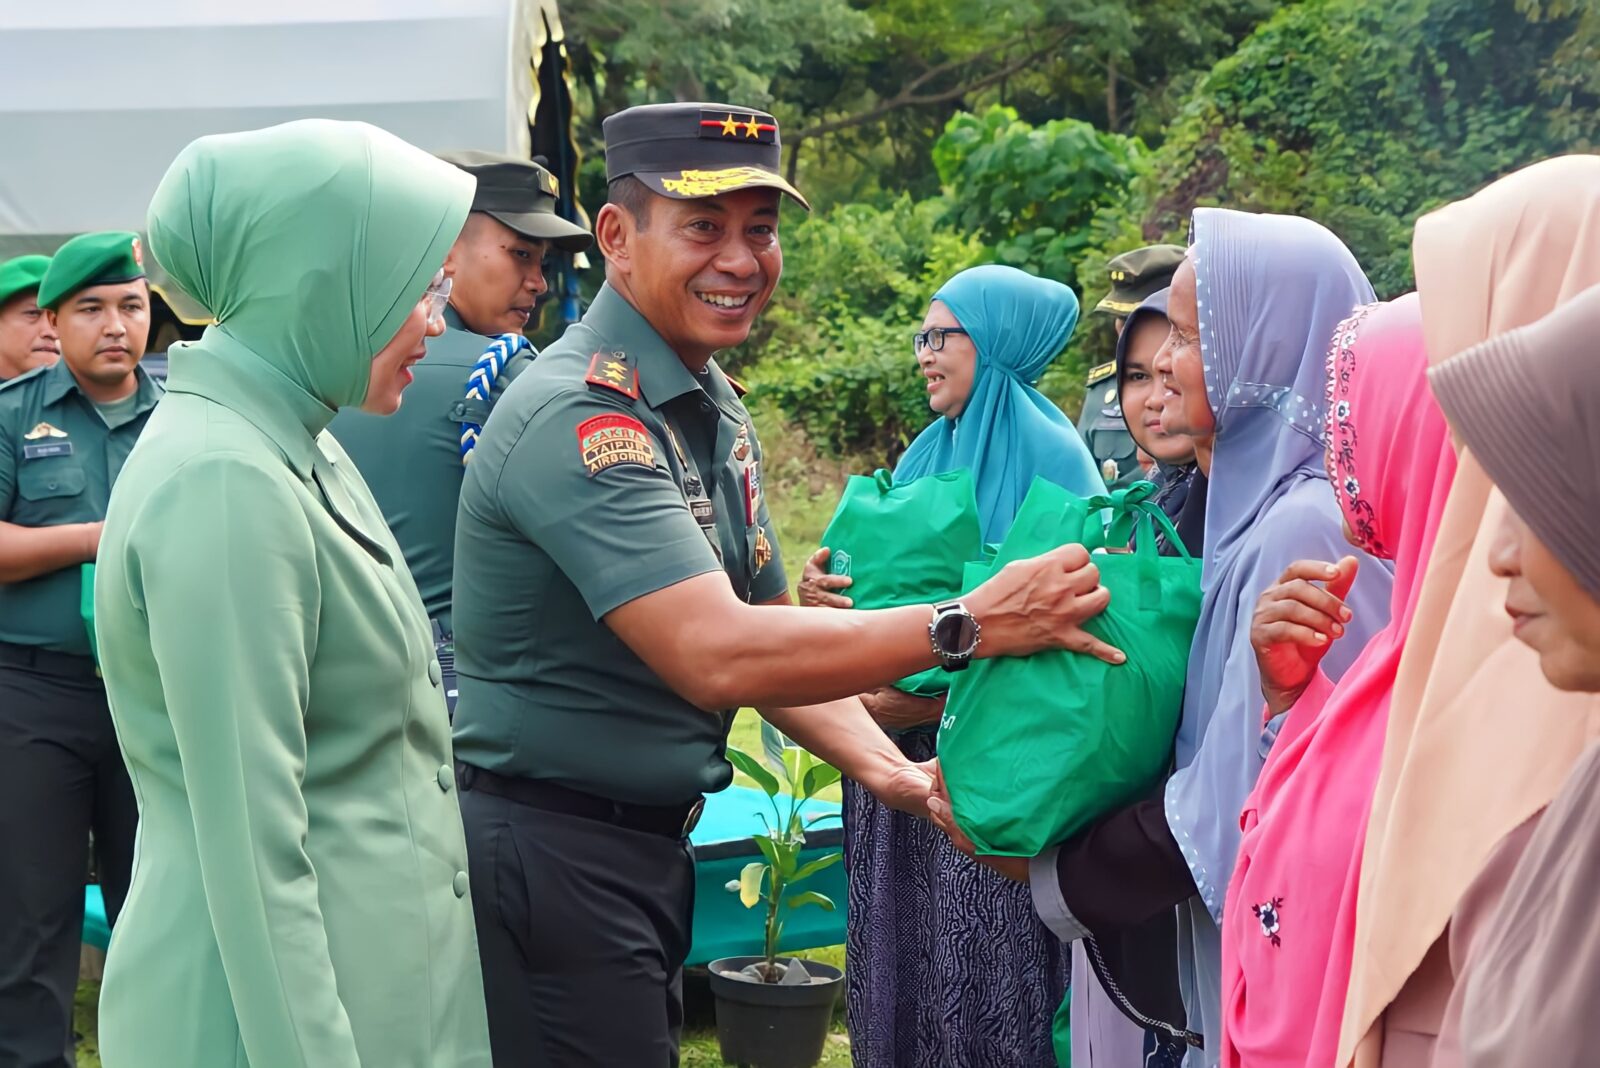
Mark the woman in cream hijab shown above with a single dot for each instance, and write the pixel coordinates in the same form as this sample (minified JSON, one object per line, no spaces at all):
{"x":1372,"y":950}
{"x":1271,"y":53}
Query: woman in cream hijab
{"x":1461,"y":770}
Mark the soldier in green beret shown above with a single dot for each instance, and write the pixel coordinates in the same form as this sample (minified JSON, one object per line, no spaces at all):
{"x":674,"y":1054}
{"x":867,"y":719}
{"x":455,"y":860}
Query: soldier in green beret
{"x":413,"y":460}
{"x":1134,"y":276}
{"x":65,"y":430}
{"x":27,"y":336}
{"x":619,"y":594}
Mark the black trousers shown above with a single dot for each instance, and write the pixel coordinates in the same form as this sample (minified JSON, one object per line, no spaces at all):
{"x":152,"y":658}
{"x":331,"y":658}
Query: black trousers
{"x":61,"y":777}
{"x":583,"y":928}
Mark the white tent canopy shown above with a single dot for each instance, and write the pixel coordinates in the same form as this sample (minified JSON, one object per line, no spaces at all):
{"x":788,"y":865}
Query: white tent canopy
{"x":98,"y":96}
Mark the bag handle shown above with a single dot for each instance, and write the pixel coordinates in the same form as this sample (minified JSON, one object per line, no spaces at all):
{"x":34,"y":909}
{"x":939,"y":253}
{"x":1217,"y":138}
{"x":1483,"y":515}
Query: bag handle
{"x":1134,"y":510}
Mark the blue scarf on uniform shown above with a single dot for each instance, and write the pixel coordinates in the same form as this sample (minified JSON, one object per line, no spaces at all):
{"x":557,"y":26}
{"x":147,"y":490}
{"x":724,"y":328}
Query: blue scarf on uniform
{"x":480,"y":383}
{"x":1009,"y":432}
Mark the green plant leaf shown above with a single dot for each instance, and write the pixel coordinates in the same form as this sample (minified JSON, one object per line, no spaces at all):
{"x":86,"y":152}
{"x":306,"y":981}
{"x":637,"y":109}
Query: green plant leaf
{"x":810,"y":897}
{"x":750,"y":884}
{"x":792,"y":769}
{"x":753,"y":768}
{"x":818,"y":778}
{"x":768,"y":847}
{"x":811,"y":868}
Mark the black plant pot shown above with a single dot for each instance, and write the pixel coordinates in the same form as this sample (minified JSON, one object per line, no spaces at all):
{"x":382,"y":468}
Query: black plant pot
{"x":763,"y":1025}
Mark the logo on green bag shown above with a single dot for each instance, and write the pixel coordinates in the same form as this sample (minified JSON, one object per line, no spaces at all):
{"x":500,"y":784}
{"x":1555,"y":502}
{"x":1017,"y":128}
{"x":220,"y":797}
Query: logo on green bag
{"x":946,"y":722}
{"x":839,"y":563}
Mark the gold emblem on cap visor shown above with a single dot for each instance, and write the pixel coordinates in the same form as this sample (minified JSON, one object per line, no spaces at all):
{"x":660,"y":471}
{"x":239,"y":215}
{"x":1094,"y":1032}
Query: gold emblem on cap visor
{"x":693,"y":183}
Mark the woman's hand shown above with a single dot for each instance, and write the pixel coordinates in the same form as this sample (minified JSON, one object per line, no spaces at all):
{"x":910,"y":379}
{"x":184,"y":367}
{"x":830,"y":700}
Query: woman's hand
{"x":942,"y":812}
{"x":896,"y":710}
{"x":1295,"y":623}
{"x":817,"y":586}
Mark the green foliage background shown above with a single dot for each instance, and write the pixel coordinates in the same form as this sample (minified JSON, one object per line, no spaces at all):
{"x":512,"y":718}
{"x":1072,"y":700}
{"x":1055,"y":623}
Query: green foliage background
{"x":934,"y":135}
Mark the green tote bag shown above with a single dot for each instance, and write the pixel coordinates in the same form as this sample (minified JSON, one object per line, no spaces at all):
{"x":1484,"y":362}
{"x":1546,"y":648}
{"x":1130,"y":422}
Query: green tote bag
{"x":1035,"y":748}
{"x":906,"y":543}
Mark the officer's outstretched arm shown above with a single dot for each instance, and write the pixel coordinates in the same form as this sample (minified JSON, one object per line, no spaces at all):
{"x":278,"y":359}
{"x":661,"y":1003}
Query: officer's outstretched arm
{"x":719,"y":652}
{"x":587,"y":482}
{"x":222,"y":560}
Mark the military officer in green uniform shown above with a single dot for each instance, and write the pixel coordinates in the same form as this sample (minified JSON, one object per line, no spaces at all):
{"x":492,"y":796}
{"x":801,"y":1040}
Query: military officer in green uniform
{"x":65,"y":430}
{"x":27,"y":336}
{"x":413,"y":460}
{"x":619,"y":593}
{"x":1134,"y":276}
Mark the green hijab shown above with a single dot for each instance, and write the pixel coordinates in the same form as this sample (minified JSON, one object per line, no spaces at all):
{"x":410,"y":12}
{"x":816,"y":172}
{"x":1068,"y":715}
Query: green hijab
{"x":309,"y":243}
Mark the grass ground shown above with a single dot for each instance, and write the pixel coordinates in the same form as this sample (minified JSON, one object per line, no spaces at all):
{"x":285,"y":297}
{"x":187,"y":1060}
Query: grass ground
{"x":802,"y":489}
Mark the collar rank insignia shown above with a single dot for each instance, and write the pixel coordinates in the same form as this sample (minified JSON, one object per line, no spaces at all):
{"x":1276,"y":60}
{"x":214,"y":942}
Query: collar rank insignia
{"x":738,"y":387}
{"x":1102,"y":372}
{"x":614,"y":371}
{"x":43,"y":430}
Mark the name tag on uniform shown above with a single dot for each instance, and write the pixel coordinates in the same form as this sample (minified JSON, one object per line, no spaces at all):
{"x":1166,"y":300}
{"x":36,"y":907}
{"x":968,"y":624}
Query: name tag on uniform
{"x":704,"y":511}
{"x":40,"y":449}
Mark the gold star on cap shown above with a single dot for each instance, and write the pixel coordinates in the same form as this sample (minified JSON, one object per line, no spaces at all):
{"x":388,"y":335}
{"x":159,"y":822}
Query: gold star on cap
{"x":730,"y":126}
{"x":752,"y":128}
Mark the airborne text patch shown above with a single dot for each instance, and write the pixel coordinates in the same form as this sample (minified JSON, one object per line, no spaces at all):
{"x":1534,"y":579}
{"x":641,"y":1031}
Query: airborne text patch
{"x":608,"y":440}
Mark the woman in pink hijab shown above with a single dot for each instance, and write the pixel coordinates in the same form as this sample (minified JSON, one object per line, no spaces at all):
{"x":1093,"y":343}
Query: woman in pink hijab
{"x":1285,"y":961}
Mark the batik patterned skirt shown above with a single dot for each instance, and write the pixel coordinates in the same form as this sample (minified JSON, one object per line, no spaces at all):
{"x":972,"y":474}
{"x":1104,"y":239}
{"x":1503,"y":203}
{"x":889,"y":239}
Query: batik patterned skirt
{"x":947,"y":966}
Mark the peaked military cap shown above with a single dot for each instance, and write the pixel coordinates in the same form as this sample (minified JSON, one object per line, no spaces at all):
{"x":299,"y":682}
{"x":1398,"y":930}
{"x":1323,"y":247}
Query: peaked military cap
{"x":1137,"y":274}
{"x":21,"y":275}
{"x":521,"y":194}
{"x":688,"y":151}
{"x":105,"y":258}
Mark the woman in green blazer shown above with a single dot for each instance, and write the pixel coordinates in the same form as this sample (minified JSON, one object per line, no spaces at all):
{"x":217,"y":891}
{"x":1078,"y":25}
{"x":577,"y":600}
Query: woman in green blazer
{"x":299,"y":893}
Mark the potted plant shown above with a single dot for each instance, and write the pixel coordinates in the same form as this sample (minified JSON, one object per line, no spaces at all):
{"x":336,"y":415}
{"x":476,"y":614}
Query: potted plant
{"x":774,"y":1012}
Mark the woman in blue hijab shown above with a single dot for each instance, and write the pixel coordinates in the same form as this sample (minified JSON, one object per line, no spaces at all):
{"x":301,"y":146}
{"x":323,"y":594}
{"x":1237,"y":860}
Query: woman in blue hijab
{"x":947,"y":963}
{"x":988,"y":337}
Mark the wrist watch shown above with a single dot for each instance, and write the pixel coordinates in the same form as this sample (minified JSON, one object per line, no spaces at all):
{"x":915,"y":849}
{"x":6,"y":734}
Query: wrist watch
{"x":955,"y":635}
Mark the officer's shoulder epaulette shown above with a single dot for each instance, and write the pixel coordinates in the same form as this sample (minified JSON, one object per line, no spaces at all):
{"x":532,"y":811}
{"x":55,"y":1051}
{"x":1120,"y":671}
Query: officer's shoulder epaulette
{"x":738,"y":387}
{"x":615,"y":370}
{"x":1101,"y":373}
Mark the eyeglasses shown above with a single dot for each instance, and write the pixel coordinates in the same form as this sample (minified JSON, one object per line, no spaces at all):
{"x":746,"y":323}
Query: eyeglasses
{"x":438,"y":295}
{"x":932,"y":338}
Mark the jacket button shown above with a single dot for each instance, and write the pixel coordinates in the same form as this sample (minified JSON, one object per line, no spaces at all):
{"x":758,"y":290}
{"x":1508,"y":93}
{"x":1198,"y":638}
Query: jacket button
{"x":52,"y":485}
{"x":433,"y":672}
{"x":460,"y":885}
{"x":447,"y":777}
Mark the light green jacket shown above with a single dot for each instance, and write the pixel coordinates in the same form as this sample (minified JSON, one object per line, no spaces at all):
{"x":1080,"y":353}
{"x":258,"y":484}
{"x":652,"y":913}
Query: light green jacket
{"x":299,"y":893}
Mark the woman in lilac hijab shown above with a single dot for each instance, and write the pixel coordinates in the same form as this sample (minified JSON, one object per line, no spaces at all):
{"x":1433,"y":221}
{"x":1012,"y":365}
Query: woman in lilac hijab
{"x":1253,"y":310}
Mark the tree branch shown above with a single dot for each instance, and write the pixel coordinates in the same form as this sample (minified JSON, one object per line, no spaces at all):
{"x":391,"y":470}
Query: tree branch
{"x":907,"y":97}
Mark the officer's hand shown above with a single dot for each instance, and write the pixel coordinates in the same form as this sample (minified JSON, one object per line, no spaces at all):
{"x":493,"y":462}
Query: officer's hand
{"x":1295,"y":623}
{"x":1038,"y":604}
{"x":897,"y":710}
{"x":91,"y":540}
{"x":942,"y":812}
{"x":817,"y":586}
{"x":908,"y":788}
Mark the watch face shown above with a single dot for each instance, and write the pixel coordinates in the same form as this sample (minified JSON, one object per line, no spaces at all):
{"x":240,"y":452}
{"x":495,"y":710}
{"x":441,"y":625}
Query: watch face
{"x":957,"y":632}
